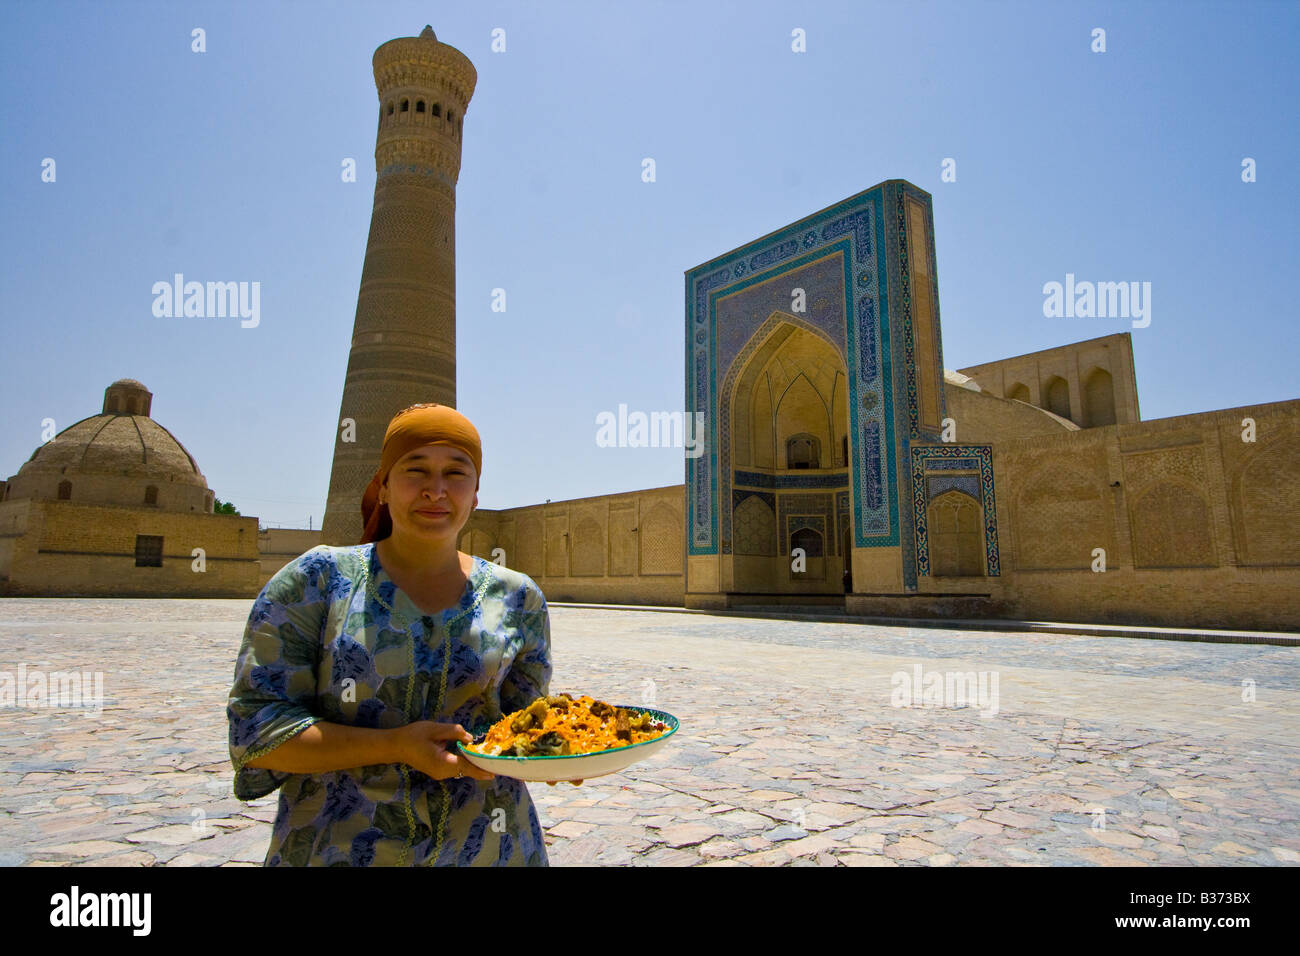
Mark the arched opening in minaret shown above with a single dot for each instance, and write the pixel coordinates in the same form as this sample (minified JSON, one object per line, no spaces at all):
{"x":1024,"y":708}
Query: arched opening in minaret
{"x":406,"y":106}
{"x":419,"y":106}
{"x":437,"y":110}
{"x":390,"y":107}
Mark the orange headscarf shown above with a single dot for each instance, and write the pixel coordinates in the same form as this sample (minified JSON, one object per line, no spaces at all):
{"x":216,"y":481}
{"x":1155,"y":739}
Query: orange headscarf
{"x":410,"y":429}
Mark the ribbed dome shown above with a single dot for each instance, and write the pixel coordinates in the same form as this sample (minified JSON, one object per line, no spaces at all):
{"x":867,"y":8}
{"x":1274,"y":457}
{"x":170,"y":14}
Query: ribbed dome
{"x":116,"y":444}
{"x":118,"y":457}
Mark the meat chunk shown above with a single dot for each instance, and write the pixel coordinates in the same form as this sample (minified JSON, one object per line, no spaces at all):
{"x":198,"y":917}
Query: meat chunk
{"x":550,"y":744}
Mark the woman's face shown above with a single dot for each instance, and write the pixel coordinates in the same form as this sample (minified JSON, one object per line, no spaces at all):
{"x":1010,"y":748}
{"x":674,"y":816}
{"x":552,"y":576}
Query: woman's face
{"x":430,"y":491}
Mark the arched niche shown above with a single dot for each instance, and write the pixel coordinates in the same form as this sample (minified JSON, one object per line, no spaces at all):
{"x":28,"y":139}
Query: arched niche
{"x":955,"y":525}
{"x":1056,"y":396}
{"x":1099,"y":399}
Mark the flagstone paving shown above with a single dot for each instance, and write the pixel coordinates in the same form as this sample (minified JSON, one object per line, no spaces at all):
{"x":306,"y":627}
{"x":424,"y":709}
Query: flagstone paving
{"x":795,"y":747}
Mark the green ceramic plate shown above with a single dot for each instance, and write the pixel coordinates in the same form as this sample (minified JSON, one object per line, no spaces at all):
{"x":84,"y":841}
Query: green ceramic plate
{"x":574,"y":766}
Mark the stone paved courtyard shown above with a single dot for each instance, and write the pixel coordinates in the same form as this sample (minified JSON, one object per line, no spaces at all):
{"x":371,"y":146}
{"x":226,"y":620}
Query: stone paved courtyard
{"x":1109,"y":751}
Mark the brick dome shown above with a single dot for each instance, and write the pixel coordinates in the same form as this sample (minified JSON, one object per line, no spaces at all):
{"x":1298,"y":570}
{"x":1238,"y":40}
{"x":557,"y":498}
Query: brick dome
{"x":119,"y":457}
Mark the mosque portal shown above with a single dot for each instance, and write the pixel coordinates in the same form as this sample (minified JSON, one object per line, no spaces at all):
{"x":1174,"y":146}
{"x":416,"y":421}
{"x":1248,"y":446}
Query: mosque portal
{"x":814,"y":355}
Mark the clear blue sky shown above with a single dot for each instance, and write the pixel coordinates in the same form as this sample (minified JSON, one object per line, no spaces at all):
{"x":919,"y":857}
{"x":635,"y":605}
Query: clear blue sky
{"x":225,"y":165}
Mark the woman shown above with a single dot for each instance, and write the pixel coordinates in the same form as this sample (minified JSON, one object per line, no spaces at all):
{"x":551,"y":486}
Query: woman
{"x":361,"y":665}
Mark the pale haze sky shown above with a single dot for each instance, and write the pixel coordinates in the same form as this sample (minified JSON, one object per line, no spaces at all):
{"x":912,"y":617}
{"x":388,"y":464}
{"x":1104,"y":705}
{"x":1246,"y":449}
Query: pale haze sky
{"x":1123,"y":165}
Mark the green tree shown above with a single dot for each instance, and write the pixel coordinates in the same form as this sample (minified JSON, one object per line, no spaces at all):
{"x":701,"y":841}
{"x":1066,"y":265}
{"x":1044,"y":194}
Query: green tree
{"x":220,"y":507}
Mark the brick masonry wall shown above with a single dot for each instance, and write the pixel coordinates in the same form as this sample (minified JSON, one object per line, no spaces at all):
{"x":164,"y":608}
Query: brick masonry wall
{"x":980,"y":418}
{"x":1073,"y":363}
{"x":72,"y":550}
{"x":278,"y":546}
{"x":1200,"y":530}
{"x":585,"y":549}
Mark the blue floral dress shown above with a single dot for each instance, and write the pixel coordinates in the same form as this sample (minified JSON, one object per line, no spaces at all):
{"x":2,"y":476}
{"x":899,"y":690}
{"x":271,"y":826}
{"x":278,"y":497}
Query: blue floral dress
{"x":332,"y":638}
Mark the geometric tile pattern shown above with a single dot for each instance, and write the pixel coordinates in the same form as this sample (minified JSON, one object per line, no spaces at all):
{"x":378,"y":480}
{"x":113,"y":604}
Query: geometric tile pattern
{"x":938,"y":484}
{"x":758,"y":479}
{"x":908,"y":410}
{"x":850,"y":236}
{"x":933,"y":474}
{"x":795,"y":511}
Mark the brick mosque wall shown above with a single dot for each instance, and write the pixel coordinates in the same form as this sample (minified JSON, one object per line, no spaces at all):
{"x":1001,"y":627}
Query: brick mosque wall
{"x":1095,"y":383}
{"x":66,"y":549}
{"x":1201,"y":530}
{"x":981,"y":418}
{"x":590,"y":554}
{"x":620,"y":549}
{"x":278,"y":546}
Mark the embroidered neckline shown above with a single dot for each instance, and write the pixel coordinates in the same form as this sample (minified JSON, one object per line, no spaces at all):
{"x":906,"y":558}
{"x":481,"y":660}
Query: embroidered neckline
{"x":479,"y":580}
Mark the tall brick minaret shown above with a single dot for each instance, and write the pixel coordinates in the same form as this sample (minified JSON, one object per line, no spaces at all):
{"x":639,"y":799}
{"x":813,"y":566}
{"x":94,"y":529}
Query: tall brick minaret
{"x":404,"y":335}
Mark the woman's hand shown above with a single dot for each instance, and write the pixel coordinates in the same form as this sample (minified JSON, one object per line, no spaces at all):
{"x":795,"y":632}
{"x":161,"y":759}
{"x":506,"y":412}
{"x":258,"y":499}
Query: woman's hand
{"x":426,"y":746}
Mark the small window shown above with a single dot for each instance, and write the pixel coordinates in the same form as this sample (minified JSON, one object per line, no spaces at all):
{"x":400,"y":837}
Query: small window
{"x":148,"y":550}
{"x":419,"y":106}
{"x":390,"y":109}
{"x":803,"y":451}
{"x":151,"y":495}
{"x":437,"y":109}
{"x":844,"y":449}
{"x":406,"y":106}
{"x":65,"y":491}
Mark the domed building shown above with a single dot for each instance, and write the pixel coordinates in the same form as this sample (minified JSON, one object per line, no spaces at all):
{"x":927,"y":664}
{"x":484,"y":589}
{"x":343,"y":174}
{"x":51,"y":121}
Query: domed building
{"x":114,"y":505}
{"x":118,"y":457}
